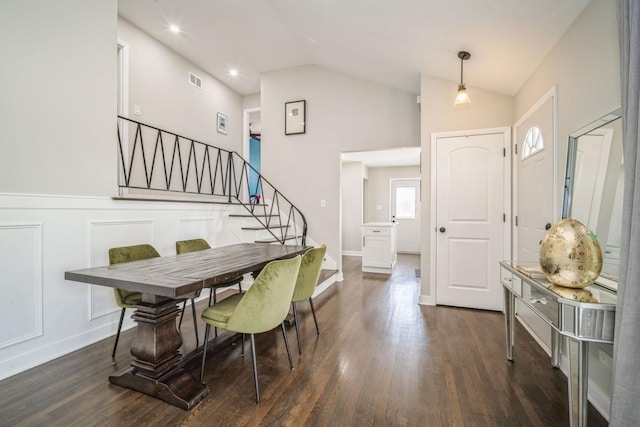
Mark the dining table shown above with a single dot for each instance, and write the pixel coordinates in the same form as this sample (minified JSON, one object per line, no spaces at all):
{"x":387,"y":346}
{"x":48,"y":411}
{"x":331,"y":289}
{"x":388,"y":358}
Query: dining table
{"x":158,"y":368}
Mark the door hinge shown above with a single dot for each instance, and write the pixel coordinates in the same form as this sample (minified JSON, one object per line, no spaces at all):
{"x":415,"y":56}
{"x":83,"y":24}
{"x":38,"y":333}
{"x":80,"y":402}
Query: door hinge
{"x":504,"y":217}
{"x":516,"y":220}
{"x":515,"y":147}
{"x":504,"y":152}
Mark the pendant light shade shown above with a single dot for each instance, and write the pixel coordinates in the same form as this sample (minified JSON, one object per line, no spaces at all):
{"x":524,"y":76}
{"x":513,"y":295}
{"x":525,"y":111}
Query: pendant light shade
{"x":462,"y":98}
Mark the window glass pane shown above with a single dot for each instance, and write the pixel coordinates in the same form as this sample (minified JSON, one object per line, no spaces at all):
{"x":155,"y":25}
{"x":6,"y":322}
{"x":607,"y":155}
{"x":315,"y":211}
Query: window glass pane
{"x":533,"y":142}
{"x":406,"y":202}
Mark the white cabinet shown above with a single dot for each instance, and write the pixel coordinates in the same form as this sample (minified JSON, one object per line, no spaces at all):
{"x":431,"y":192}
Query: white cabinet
{"x":379,"y":247}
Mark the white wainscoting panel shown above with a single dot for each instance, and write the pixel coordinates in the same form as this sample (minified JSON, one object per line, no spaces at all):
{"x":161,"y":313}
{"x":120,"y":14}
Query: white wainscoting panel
{"x":43,"y":236}
{"x":21,"y":285}
{"x":109,"y":234}
{"x":199,"y":228}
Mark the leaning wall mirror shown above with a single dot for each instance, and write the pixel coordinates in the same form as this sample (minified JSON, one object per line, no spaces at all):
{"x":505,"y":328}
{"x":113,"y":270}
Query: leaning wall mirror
{"x":593,"y":187}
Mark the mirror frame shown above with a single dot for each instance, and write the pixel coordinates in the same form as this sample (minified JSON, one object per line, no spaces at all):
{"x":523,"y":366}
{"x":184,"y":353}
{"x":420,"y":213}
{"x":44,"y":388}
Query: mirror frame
{"x":570,"y":172}
{"x":571,"y":156}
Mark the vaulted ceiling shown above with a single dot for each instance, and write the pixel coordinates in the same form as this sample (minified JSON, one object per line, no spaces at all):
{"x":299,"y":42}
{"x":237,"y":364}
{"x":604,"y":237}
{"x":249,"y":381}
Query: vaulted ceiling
{"x":390,"y":42}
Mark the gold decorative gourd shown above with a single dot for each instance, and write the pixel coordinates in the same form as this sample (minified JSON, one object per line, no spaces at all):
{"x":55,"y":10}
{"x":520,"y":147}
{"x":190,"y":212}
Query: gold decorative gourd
{"x":570,"y":255}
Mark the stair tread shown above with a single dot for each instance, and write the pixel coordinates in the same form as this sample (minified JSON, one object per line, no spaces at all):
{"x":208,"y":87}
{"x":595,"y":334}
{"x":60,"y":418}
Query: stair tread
{"x":325,"y":274}
{"x":277,"y":240}
{"x":252,"y":216}
{"x":266,"y":228}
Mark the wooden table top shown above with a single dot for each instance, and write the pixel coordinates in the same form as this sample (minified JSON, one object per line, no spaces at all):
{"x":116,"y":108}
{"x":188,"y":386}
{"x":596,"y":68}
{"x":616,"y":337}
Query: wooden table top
{"x":179,"y":275}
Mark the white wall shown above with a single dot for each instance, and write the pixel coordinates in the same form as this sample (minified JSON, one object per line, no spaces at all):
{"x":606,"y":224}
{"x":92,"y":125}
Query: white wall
{"x":344,"y":113}
{"x":159,"y":85}
{"x":379,"y":190}
{"x":251,"y":101}
{"x":352,"y":207}
{"x":58,"y":97}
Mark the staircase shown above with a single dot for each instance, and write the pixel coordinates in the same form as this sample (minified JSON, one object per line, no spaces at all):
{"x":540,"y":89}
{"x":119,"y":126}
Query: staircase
{"x":153,"y":161}
{"x":270,"y":223}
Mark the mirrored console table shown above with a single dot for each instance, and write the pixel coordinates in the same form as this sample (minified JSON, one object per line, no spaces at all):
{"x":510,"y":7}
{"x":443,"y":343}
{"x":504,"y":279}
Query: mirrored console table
{"x":582,"y":318}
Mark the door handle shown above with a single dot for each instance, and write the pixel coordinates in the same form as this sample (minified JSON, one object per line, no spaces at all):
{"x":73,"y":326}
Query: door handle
{"x":442,"y":229}
{"x":548,"y":226}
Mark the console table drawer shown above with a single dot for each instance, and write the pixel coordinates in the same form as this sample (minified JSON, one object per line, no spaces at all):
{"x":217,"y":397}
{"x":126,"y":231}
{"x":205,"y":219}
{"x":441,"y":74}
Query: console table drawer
{"x":506,"y":277}
{"x":542,"y":302}
{"x":511,"y":281}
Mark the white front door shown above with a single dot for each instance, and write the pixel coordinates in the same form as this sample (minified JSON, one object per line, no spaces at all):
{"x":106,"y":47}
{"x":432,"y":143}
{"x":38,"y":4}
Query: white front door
{"x":534,"y":189}
{"x":534,"y":192}
{"x":405,"y":210}
{"x":471,"y":195}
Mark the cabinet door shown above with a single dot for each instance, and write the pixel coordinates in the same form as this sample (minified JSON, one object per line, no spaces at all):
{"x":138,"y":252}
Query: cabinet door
{"x":377,"y":251}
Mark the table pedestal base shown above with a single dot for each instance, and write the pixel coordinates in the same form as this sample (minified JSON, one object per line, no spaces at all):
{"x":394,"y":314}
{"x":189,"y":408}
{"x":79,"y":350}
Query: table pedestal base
{"x":157,"y":368}
{"x":178,"y":387}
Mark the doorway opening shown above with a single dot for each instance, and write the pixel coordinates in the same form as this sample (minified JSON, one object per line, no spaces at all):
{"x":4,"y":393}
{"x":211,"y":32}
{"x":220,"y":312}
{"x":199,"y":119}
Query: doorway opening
{"x":367,"y":178}
{"x":252,"y":148}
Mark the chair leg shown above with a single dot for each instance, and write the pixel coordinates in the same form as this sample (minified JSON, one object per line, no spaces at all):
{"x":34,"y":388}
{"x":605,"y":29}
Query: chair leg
{"x":240,"y":287}
{"x":213,"y":296}
{"x":255,"y":367}
{"x":182,"y":314}
{"x":313,"y":311}
{"x":204,"y":352}
{"x":295,"y":320}
{"x":242,"y":353}
{"x":286,"y":343}
{"x":195,"y":322}
{"x":115,"y":346}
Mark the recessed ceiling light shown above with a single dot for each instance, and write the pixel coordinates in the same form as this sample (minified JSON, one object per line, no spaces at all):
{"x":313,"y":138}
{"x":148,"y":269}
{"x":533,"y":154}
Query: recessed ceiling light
{"x":174,"y":29}
{"x":233,"y":72}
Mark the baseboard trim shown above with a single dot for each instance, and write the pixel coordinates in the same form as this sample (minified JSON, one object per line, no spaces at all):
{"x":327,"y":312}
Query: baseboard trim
{"x":352,"y":253}
{"x":326,"y":284}
{"x":38,"y":356}
{"x":426,"y":300}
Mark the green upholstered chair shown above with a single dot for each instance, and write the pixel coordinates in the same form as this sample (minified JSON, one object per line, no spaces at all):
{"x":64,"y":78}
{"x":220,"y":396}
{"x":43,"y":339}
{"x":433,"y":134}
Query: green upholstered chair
{"x":263,"y":307}
{"x":193,"y":245}
{"x":306,"y":284}
{"x":126,"y":299}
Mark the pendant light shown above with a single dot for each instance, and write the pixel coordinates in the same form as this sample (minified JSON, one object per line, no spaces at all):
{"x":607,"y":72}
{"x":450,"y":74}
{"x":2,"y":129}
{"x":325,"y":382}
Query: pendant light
{"x":462,"y":98}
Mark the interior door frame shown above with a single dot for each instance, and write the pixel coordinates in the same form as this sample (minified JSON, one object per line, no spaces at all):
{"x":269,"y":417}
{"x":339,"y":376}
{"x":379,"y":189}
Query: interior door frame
{"x":553,"y":94}
{"x":246,"y":133}
{"x":507,"y":189}
{"x":123,"y":105}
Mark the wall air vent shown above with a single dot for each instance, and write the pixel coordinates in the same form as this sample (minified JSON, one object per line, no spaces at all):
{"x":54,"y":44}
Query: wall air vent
{"x":195,"y":80}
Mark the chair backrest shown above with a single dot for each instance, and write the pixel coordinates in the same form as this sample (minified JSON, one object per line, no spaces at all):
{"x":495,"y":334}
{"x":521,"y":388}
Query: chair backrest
{"x":193,"y":245}
{"x":128,"y":254}
{"x":309,"y":273}
{"x":266,"y":304}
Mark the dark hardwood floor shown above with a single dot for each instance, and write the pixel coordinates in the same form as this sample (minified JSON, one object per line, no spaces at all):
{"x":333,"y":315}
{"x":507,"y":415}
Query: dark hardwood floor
{"x":381,"y":360}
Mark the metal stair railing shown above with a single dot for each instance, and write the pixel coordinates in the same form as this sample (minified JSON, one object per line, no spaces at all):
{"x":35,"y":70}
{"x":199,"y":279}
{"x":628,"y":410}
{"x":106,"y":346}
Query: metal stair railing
{"x":155,"y":160}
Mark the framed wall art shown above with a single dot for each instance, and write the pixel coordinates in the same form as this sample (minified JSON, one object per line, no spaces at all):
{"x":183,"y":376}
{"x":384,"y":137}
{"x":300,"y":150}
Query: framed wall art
{"x":222,"y":123}
{"x":295,"y":117}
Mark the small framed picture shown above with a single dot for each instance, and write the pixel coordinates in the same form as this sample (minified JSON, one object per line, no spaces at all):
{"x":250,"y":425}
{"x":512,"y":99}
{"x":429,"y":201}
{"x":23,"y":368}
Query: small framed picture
{"x":295,"y":117}
{"x":222,"y":123}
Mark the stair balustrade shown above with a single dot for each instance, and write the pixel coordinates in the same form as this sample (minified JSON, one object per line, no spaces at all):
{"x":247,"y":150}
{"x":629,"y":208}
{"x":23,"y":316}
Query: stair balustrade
{"x":153,"y":161}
